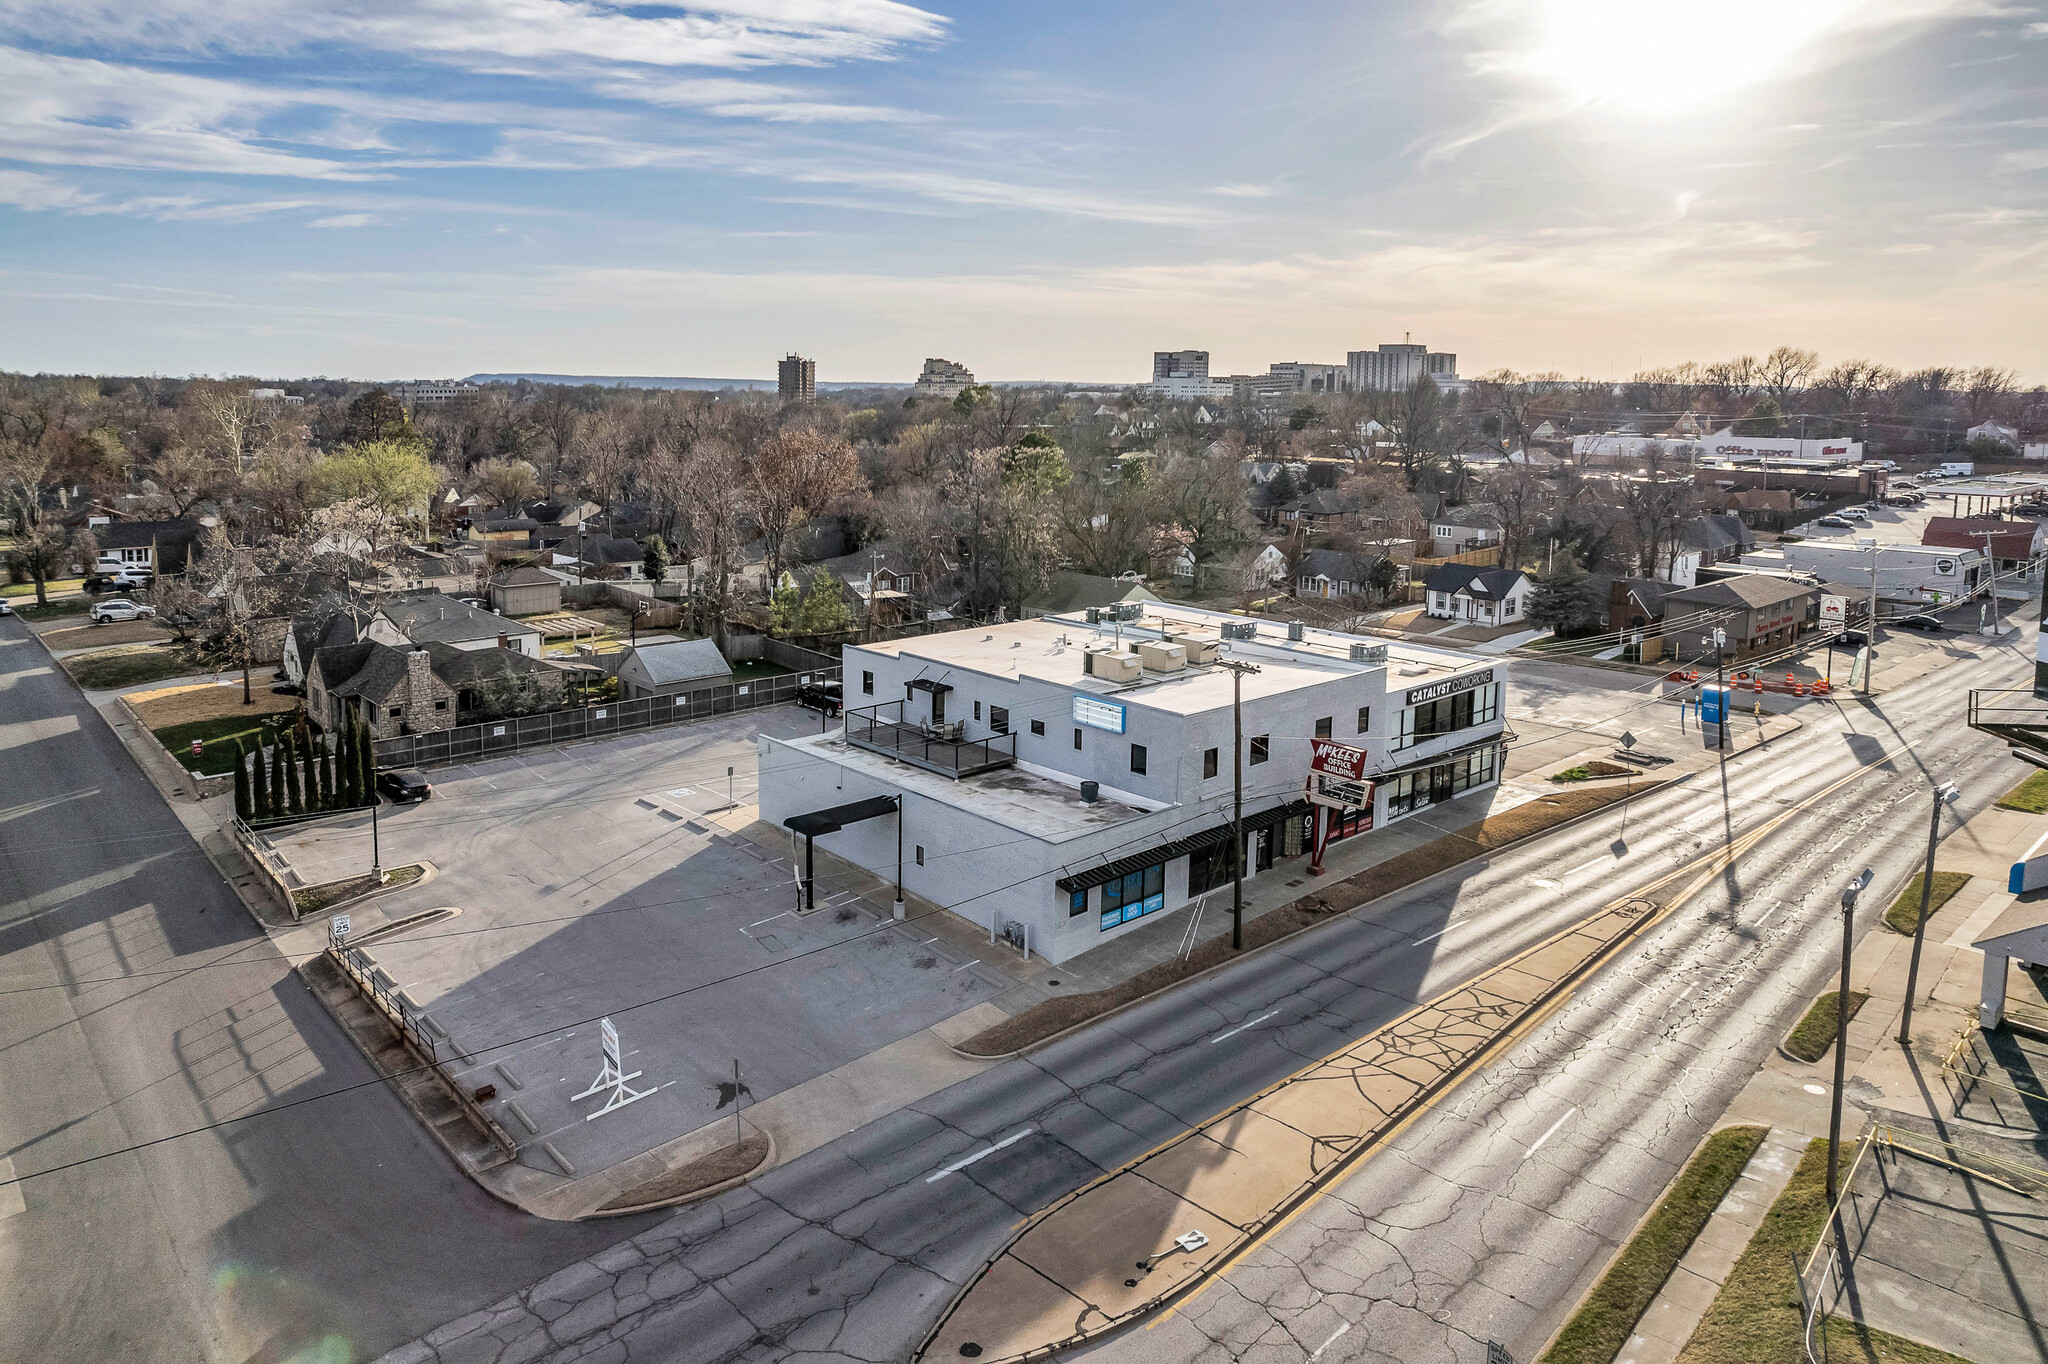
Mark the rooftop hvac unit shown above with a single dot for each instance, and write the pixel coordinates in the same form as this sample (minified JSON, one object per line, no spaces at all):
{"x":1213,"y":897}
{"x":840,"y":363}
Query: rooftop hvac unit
{"x":1368,"y":653}
{"x":1130,"y":610}
{"x":1294,"y":631}
{"x":1114,"y":667}
{"x":1095,"y":615}
{"x":1240,"y":629}
{"x":1162,"y":658}
{"x":1199,"y":650}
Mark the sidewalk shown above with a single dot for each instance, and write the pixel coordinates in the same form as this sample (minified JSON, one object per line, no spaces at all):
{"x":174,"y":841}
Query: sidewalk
{"x":1885,"y":1082}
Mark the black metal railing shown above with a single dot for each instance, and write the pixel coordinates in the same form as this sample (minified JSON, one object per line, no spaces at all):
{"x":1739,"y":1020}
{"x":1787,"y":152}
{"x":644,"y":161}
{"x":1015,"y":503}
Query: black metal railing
{"x":2016,"y":715}
{"x":936,"y":748}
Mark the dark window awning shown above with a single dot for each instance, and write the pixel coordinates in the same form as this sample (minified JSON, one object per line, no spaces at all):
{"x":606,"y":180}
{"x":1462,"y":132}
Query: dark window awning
{"x":1179,"y":847}
{"x":927,"y":684}
{"x":818,"y":823}
{"x":1505,"y":736}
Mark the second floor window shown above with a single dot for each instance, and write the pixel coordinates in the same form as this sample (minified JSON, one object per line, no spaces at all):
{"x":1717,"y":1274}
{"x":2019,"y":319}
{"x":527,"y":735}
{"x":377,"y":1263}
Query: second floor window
{"x":867,"y":683}
{"x":1208,"y":763}
{"x":1448,"y":715}
{"x":1138,"y":759}
{"x":1323,"y":727}
{"x":1259,"y":747}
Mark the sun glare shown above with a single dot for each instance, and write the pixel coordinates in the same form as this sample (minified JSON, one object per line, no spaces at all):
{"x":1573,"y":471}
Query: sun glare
{"x":1652,"y":55}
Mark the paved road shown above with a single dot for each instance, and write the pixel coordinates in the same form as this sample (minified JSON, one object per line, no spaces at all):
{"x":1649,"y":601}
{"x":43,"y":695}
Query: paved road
{"x":335,"y":1228}
{"x":1483,"y":1221}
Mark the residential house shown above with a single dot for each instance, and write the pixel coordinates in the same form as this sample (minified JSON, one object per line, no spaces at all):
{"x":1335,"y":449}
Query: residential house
{"x":1635,"y":603}
{"x":670,"y":668}
{"x":433,"y":617}
{"x":327,"y":619}
{"x":1459,"y":530}
{"x":1760,"y":613}
{"x":418,"y":689}
{"x":1330,"y":574}
{"x":483,"y":678}
{"x":1994,"y":430}
{"x":1705,"y":542}
{"x":1483,"y":596}
{"x":1248,"y":568}
{"x":503,"y":532}
{"x":599,"y":556}
{"x":1067,"y":592}
{"x":159,"y":546}
{"x":1321,"y":511}
{"x":526,"y":592}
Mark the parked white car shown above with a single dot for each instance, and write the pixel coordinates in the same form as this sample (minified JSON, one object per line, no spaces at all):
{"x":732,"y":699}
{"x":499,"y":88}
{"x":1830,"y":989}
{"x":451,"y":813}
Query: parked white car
{"x":120,"y":608}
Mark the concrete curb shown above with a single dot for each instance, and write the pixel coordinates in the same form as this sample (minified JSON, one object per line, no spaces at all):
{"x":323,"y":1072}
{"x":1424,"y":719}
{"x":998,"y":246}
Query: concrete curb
{"x":708,"y":1191}
{"x":1208,"y":971}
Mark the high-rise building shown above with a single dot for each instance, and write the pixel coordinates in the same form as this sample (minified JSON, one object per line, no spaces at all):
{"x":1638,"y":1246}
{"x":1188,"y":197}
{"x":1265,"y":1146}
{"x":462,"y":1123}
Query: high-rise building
{"x":942,"y":379}
{"x":1179,"y":364}
{"x":1394,"y":367}
{"x":796,"y":379}
{"x":1304,"y":377}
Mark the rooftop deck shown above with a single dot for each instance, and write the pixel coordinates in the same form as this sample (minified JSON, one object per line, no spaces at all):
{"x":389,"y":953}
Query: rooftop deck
{"x":934,"y":748}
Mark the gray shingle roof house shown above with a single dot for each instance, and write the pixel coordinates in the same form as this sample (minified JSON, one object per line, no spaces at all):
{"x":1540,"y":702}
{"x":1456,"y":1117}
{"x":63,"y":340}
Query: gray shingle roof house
{"x":1332,"y":573}
{"x":414,"y":689}
{"x":665,"y":669}
{"x":1758,"y":612}
{"x":1484,"y":596}
{"x":436,"y":618}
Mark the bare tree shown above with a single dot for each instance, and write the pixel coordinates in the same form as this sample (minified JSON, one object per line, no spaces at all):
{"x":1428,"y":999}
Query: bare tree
{"x":797,"y":474}
{"x":1786,"y":371}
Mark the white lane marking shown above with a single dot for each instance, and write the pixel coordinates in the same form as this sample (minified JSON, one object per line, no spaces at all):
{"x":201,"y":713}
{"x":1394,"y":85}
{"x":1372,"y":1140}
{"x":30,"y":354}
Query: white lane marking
{"x":1242,"y":1026}
{"x":769,"y":920}
{"x":1546,"y":883}
{"x":1434,"y":936}
{"x":1683,"y":993}
{"x":1596,"y":862}
{"x":961,"y":967}
{"x":960,"y":1165}
{"x":1328,"y":1343}
{"x":1551,"y":1133}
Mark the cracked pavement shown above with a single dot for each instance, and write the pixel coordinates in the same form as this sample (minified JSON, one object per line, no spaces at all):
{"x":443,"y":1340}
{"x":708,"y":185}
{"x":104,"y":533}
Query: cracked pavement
{"x":1483,"y":1220}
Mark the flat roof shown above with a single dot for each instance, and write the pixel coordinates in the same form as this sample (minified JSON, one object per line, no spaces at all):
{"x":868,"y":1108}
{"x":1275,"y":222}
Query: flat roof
{"x":1051,"y":649}
{"x":1017,"y":798}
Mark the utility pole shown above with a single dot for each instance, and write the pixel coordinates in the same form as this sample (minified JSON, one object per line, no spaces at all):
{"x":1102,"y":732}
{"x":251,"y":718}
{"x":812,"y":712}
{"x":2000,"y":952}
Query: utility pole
{"x":1721,"y":687}
{"x":1237,"y":672}
{"x":1849,"y":894}
{"x":1991,"y":558}
{"x":1870,"y":649}
{"x":1944,"y":794}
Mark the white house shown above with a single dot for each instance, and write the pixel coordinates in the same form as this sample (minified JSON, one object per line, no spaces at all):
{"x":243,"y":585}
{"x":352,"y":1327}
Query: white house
{"x":1994,"y":430}
{"x":1457,"y":530}
{"x":1243,"y":570}
{"x":1483,"y":596}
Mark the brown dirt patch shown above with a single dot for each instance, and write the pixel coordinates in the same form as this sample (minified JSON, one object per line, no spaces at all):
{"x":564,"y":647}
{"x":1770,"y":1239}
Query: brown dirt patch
{"x":103,"y":636}
{"x":728,"y":1162}
{"x":183,"y":705}
{"x":317,"y":899}
{"x":1050,"y":1016}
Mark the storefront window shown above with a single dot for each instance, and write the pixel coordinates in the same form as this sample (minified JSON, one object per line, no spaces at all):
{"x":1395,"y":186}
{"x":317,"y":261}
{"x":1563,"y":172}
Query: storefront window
{"x":1133,"y":896}
{"x":1448,"y":715}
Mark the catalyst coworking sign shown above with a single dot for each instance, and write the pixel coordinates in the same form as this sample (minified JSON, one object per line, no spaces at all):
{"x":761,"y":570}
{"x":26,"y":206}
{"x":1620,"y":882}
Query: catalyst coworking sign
{"x":1450,"y":686}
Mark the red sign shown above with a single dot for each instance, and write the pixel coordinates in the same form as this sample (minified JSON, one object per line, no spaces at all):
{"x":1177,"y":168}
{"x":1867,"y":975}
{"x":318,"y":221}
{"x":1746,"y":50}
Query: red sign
{"x":1340,"y":759}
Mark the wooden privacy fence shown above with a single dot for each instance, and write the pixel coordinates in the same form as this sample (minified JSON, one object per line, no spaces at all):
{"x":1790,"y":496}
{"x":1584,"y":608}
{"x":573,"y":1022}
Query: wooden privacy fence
{"x":493,"y":738}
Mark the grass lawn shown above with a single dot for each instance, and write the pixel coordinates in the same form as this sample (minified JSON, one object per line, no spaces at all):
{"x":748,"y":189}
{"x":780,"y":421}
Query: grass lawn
{"x":127,"y":667}
{"x":219,"y":736}
{"x":1604,"y":1322}
{"x":107,"y":635}
{"x":753,"y":669}
{"x":2030,"y":795}
{"x":206,"y":701}
{"x":1589,"y":771}
{"x":56,"y":610}
{"x":1810,"y":1039}
{"x":53,"y":587}
{"x":1755,"y":1319}
{"x":1904,"y":914}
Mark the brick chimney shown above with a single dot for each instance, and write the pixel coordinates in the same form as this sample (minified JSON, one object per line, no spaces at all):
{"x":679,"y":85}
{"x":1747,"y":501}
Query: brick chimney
{"x":504,"y":641}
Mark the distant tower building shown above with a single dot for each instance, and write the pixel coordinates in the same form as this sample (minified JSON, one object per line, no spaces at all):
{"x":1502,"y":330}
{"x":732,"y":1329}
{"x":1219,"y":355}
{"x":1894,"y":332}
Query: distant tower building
{"x":796,"y":379}
{"x":942,"y":379}
{"x":1180,"y":364}
{"x":1395,"y":367}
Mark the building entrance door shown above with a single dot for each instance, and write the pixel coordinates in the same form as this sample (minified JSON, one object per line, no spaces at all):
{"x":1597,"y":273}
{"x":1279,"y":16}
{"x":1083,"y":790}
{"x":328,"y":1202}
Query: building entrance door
{"x":1440,"y":784}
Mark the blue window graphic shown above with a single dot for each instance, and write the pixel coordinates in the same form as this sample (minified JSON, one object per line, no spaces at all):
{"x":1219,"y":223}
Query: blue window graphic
{"x":1134,"y":896}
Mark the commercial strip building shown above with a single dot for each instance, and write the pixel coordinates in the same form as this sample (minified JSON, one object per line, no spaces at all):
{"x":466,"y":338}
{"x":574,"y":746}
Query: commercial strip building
{"x":1063,"y":778}
{"x":1916,"y":576}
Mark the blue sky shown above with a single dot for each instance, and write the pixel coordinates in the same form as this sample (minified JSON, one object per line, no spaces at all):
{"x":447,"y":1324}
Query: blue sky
{"x":1038,"y":190}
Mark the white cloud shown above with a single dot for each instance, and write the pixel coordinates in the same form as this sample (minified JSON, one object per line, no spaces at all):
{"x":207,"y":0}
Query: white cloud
{"x":348,"y":220}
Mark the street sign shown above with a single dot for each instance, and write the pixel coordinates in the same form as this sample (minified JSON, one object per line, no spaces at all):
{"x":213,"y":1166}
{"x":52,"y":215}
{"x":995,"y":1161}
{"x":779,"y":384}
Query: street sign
{"x":610,"y":1035}
{"x":1628,"y":740}
{"x":1340,"y":760}
{"x":337,"y":928}
{"x":1834,"y":610}
{"x":1497,"y":1353}
{"x":612,"y":1076}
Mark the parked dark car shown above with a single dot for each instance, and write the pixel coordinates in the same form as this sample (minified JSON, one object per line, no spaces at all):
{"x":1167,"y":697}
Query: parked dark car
{"x":403,"y":785}
{"x":1927,"y":624}
{"x":286,"y":689}
{"x":821,"y":696}
{"x":1850,"y":639}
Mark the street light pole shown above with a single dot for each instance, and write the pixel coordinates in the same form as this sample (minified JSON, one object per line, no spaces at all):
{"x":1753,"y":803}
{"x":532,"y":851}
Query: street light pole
{"x":1849,"y":893}
{"x":1721,"y":687}
{"x":1237,"y":672}
{"x":376,"y":852}
{"x":1943,"y":795}
{"x":899,"y":857}
{"x":1870,"y":649}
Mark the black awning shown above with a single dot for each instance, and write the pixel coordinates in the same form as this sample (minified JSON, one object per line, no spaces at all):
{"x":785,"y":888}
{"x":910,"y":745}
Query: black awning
{"x":1179,"y":847}
{"x":926,"y":684}
{"x":1506,"y":736}
{"x":818,"y":823}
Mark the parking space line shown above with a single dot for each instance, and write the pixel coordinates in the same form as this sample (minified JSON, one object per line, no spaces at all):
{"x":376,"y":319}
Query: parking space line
{"x":1549,"y":1134}
{"x":1242,"y":1026}
{"x":960,"y":1165}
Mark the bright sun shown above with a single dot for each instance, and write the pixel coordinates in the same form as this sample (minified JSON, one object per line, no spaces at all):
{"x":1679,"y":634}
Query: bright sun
{"x":1654,"y":55}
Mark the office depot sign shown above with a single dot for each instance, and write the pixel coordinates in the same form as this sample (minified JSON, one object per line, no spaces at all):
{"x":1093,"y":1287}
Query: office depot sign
{"x":1339,"y":760}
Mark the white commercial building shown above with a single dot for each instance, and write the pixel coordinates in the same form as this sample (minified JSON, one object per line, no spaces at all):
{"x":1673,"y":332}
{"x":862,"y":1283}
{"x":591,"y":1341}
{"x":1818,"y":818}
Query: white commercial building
{"x":1393,"y":368}
{"x":1907,"y":575}
{"x":432,"y":392}
{"x":1062,"y":779}
{"x":943,"y":379}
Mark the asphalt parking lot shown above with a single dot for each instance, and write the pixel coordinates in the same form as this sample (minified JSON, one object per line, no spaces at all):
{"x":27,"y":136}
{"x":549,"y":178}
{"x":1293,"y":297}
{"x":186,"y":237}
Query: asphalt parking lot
{"x":591,"y":883}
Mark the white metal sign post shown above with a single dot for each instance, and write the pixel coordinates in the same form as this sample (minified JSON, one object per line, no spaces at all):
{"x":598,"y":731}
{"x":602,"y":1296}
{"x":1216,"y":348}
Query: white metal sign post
{"x":612,"y":1077}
